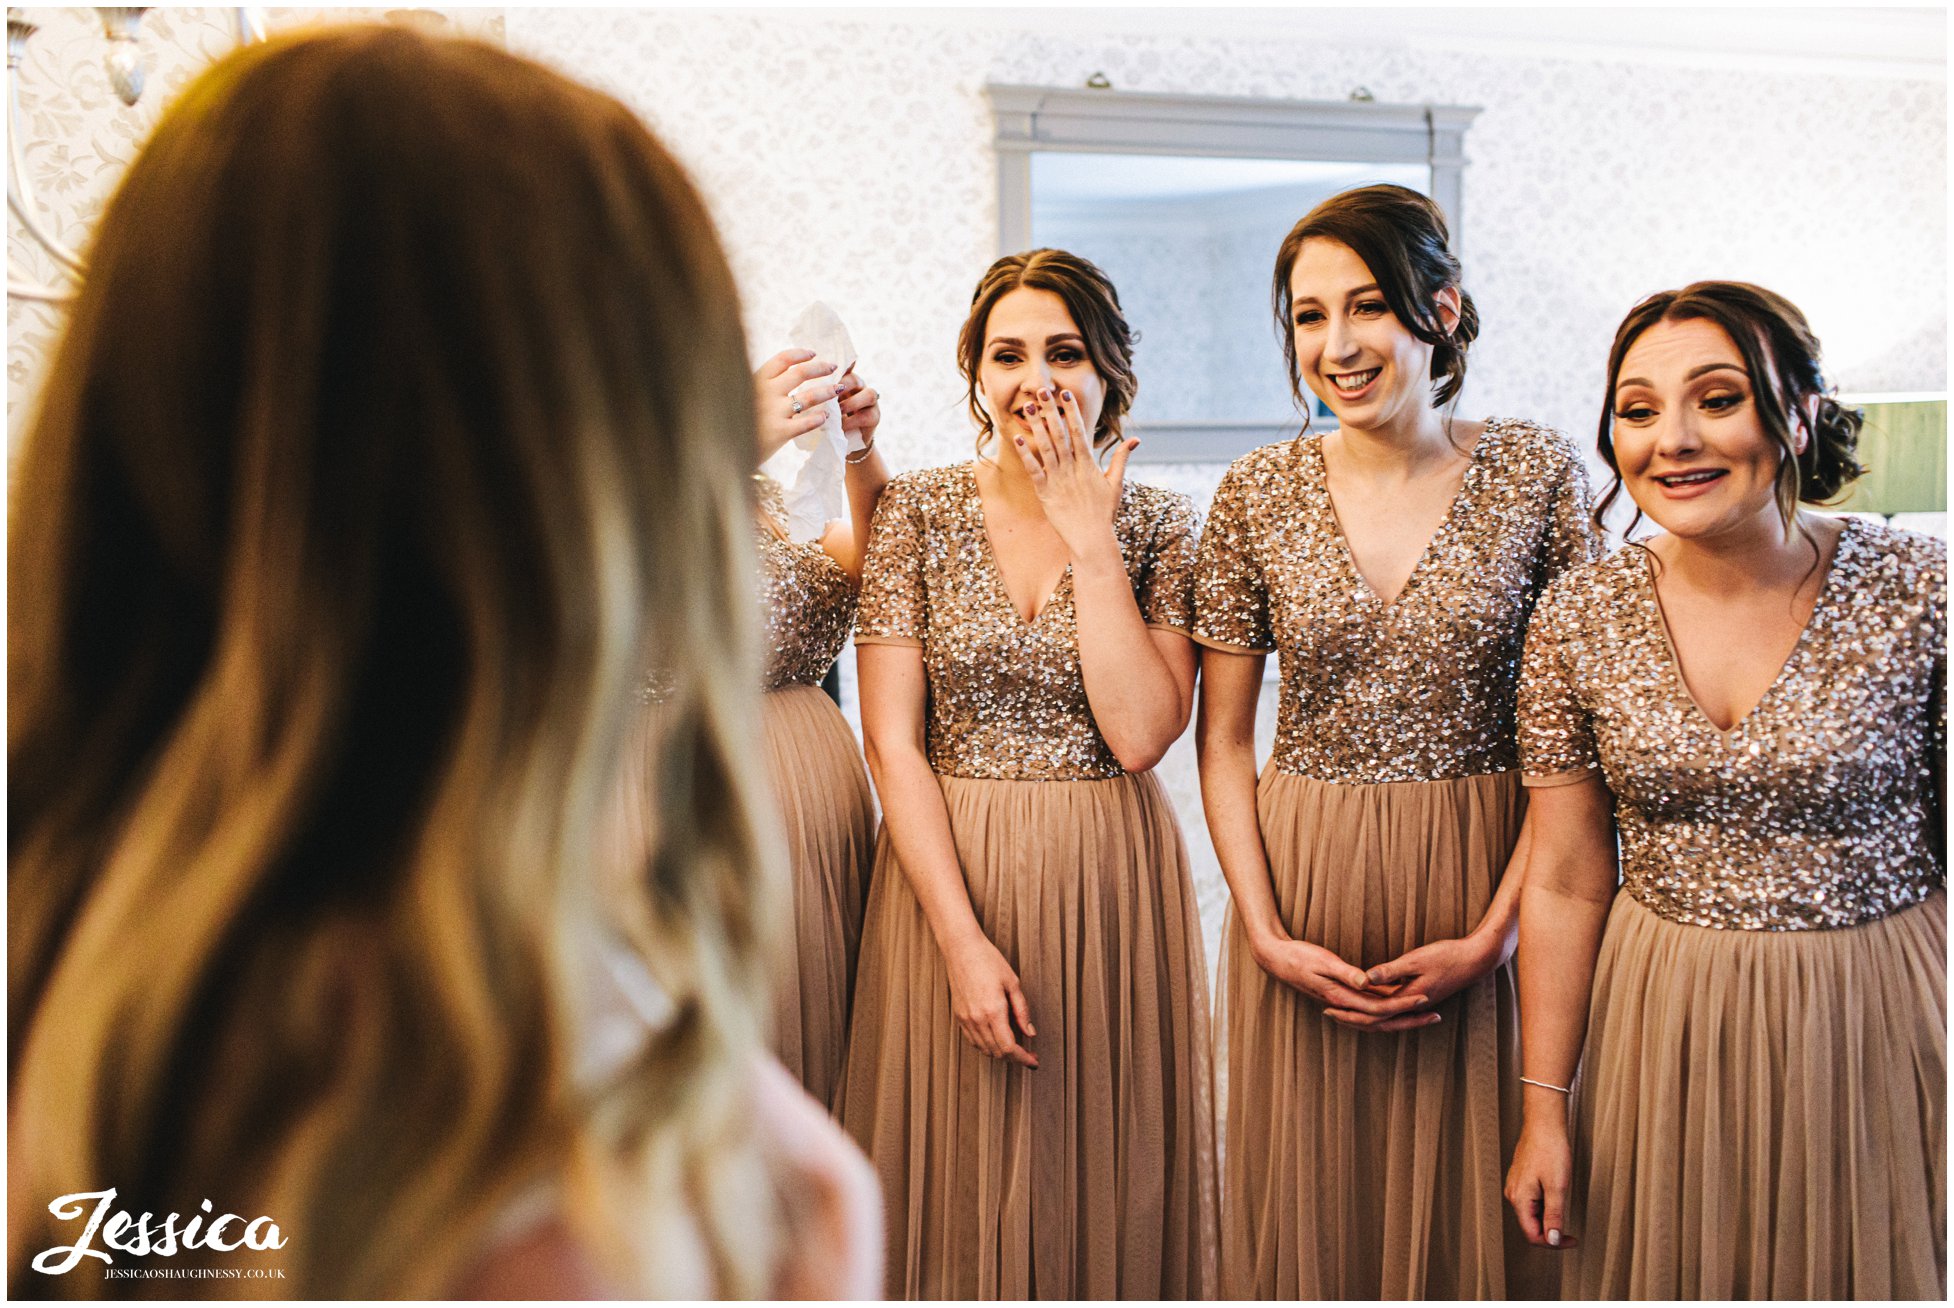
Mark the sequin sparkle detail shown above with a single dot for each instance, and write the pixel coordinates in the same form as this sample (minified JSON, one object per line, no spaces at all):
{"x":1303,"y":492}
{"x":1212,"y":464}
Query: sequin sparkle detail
{"x":1421,"y":689}
{"x":1821,"y":807}
{"x":1007,"y":699}
{"x":807,"y":603}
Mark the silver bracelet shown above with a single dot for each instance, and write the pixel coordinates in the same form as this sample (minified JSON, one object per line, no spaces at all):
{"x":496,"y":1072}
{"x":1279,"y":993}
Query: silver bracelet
{"x":1527,"y":1080}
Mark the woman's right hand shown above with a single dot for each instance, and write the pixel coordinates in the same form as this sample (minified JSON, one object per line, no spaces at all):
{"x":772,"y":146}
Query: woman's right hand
{"x":773,"y":398}
{"x":986,"y":998}
{"x":1323,"y":977}
{"x":1538,"y":1181}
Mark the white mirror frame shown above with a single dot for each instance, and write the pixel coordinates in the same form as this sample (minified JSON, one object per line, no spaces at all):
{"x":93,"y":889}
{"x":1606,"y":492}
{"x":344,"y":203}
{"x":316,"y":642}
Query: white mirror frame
{"x":1040,"y":119}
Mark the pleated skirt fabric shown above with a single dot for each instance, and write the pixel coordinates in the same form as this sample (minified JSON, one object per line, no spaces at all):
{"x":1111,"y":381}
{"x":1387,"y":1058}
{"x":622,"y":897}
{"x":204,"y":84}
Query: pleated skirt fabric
{"x":1762,"y":1114}
{"x":827,"y":820}
{"x":1092,"y":1176}
{"x":1360,"y":1165}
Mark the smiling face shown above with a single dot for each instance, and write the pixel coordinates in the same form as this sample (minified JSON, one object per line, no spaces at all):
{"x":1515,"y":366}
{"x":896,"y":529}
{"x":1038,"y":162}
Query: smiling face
{"x":1691,"y":447}
{"x":1032,"y":344}
{"x":1351,"y":350}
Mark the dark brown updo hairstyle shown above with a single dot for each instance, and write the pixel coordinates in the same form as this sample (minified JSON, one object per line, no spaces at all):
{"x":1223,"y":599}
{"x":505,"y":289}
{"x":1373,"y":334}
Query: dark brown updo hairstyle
{"x":1402,"y":238}
{"x":1782,"y":357}
{"x":1094,"y":305}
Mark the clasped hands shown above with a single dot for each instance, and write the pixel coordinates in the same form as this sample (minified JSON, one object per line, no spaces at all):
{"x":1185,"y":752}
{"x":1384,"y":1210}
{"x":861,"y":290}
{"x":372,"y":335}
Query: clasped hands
{"x":1394,"y":996}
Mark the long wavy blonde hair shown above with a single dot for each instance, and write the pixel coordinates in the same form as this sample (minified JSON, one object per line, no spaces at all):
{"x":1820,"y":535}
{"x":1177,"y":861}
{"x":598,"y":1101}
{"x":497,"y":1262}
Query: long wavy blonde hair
{"x":403,"y":423}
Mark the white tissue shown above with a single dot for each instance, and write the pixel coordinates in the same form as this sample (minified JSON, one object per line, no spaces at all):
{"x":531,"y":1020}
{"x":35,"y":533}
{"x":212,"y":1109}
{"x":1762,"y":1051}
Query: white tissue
{"x":811,"y":467}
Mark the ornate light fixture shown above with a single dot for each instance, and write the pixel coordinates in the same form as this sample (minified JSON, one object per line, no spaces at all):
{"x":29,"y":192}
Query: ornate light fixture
{"x":120,"y":27}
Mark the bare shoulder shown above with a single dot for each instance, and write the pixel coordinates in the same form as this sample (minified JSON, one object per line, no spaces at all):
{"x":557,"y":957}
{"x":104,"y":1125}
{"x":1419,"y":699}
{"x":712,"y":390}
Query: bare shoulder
{"x":540,"y":1261}
{"x":832,"y":1202}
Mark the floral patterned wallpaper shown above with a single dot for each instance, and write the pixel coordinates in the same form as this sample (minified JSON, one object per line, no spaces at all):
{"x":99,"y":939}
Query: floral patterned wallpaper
{"x":848,"y":159}
{"x":77,"y":137}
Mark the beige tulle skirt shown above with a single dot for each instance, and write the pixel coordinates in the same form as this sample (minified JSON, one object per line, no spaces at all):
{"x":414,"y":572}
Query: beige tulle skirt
{"x":1371,"y":1166}
{"x":827,"y":820}
{"x":1093,"y":1176}
{"x":1762,"y":1114}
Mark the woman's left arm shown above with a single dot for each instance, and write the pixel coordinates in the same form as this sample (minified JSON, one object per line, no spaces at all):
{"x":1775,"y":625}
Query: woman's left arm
{"x":865,"y":476}
{"x":1139,"y":681}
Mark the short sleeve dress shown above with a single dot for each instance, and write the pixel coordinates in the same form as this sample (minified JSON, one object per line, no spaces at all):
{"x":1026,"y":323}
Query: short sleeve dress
{"x":820,"y":786}
{"x":1363,"y":1165}
{"x":1761,"y":1107}
{"x":1092,"y":1176}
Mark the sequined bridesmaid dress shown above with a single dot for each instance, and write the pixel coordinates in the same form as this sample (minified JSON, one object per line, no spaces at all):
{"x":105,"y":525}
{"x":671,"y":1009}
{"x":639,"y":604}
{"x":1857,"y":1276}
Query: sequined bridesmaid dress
{"x":1093,"y":1176}
{"x":1362,"y":1165}
{"x":1761,"y":1107}
{"x":820,"y":788}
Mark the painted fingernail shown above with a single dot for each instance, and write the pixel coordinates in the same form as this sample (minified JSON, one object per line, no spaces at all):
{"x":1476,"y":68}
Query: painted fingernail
{"x":1019,"y":439}
{"x":1067,"y":395}
{"x":1553,"y":1238}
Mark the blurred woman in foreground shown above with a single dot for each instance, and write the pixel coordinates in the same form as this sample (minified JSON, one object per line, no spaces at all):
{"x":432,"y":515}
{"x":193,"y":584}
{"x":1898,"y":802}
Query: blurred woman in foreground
{"x":404,"y":420}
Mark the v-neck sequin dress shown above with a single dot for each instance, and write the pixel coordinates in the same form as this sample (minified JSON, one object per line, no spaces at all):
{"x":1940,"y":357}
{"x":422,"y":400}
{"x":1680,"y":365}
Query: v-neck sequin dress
{"x":1761,"y":1108}
{"x":1092,"y":1176}
{"x":1363,"y":1165}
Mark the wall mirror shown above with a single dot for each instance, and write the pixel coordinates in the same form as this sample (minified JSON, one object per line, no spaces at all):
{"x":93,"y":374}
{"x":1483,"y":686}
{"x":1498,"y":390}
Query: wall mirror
{"x":1183,"y":201}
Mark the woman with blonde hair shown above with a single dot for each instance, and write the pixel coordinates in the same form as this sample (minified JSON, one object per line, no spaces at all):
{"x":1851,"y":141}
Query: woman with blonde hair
{"x":814,"y":765}
{"x":403,"y":421}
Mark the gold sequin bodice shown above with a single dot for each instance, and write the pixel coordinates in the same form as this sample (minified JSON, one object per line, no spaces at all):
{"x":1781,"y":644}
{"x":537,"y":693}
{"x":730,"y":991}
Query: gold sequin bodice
{"x":807,"y":603}
{"x":1819,"y":808}
{"x":1420,"y":689}
{"x":1006,"y":697}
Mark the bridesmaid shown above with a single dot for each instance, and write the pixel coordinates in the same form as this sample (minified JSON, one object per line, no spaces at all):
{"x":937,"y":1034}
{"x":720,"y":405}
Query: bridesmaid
{"x":1028,"y":1068}
{"x":1757,"y":699}
{"x":807,"y":604}
{"x":1369,"y":1011}
{"x":807,"y":594}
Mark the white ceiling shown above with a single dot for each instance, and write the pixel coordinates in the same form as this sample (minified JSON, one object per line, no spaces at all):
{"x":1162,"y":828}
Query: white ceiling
{"x":1876,"y":41}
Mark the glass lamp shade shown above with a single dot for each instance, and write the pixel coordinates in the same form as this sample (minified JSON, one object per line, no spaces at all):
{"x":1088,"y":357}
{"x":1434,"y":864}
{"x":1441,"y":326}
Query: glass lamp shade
{"x":1904,"y":449}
